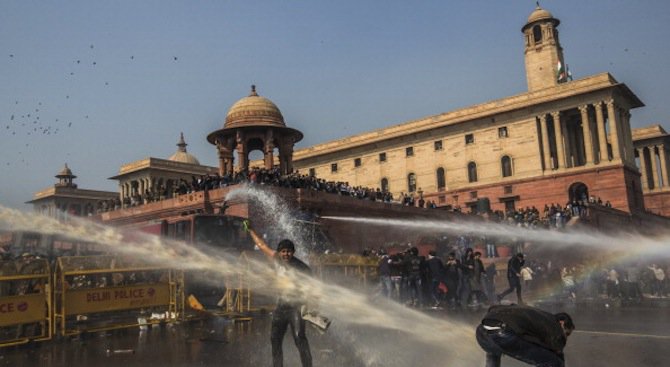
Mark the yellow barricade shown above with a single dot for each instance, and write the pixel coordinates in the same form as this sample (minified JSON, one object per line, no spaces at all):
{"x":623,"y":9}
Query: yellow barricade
{"x":361,"y":269}
{"x":25,"y":301}
{"x":237,"y":300}
{"x":94,"y":293}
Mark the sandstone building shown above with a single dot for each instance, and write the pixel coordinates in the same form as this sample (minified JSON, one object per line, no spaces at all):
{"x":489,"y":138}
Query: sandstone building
{"x":651,"y":148}
{"x":66,"y":198}
{"x":563,"y":139}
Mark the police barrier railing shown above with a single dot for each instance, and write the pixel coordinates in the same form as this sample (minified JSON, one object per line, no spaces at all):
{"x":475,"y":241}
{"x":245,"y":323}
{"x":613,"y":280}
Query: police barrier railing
{"x":244,"y":295}
{"x":25,"y":301}
{"x":94,"y":293}
{"x":360,"y":268}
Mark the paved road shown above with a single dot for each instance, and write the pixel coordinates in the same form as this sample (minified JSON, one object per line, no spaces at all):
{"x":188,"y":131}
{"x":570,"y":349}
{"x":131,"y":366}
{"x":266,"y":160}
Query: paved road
{"x":612,"y":337}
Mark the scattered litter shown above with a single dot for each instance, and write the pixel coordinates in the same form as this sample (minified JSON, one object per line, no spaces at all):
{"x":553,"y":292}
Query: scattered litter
{"x":120,"y":351}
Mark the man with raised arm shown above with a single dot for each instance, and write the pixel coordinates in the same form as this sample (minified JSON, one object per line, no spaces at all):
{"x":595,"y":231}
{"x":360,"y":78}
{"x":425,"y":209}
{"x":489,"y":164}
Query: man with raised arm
{"x":288,"y":311}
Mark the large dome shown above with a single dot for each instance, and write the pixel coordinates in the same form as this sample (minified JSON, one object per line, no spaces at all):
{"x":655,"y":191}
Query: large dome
{"x":254,"y":110}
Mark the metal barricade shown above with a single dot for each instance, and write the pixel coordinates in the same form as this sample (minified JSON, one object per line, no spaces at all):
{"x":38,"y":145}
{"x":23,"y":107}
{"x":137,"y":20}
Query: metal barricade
{"x":94,"y":293}
{"x":25,"y":301}
{"x":237,"y":299}
{"x":358,"y":268}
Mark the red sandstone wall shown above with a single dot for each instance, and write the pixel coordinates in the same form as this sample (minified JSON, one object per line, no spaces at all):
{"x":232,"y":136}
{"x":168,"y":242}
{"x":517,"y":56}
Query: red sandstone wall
{"x":658,"y":203}
{"x":618,"y":185}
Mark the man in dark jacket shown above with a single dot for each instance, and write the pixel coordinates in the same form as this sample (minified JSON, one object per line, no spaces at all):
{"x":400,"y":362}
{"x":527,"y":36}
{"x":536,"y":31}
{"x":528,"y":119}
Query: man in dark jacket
{"x":414,"y":267}
{"x":514,"y":266}
{"x":524,"y":333}
{"x":452,"y":271}
{"x":289,"y":304}
{"x":436,"y":272}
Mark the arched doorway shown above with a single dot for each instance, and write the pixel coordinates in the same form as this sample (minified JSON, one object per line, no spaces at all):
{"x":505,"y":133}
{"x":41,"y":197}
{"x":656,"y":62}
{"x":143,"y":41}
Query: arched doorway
{"x":578,"y":191}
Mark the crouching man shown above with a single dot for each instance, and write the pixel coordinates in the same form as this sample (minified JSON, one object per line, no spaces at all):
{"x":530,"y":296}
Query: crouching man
{"x":524,"y":333}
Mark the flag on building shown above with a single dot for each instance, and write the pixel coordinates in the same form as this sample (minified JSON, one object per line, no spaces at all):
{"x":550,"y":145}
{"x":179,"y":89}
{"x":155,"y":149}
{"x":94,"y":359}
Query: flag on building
{"x":560,"y":72}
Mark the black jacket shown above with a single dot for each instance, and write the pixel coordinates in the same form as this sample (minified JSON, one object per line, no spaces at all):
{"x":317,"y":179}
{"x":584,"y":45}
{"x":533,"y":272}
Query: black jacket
{"x":529,"y":323}
{"x":514,"y":266}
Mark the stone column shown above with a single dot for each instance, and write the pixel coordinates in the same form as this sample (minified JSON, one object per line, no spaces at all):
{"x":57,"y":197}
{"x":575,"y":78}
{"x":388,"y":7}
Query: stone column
{"x":664,"y":165}
{"x":286,"y":158}
{"x":269,"y":155}
{"x":629,"y":135}
{"x":569,"y":144}
{"x":614,"y":129}
{"x":268,"y":149}
{"x":546,"y":148}
{"x":602,"y":137}
{"x":654,"y":167}
{"x":586,"y":130}
{"x":560,"y":151}
{"x":226,"y":158}
{"x":242,"y":164}
{"x":643,"y":169}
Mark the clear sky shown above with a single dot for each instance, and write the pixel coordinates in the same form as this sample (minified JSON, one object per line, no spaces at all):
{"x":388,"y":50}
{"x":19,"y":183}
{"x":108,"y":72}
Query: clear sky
{"x":99,"y":84}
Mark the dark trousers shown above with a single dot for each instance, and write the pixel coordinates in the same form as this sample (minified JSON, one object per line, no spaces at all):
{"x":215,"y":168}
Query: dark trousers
{"x":414,"y":290}
{"x":452,"y":291}
{"x":498,"y":342}
{"x":283,"y":317}
{"x":514,"y":283}
{"x":435,"y":291}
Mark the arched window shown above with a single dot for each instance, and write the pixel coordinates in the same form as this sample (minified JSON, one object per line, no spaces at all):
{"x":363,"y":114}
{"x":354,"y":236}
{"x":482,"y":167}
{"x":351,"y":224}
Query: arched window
{"x":411,"y":182}
{"x":506,"y":165}
{"x":537,"y":34}
{"x":441,"y":182}
{"x":385,"y":184}
{"x":472,"y":172}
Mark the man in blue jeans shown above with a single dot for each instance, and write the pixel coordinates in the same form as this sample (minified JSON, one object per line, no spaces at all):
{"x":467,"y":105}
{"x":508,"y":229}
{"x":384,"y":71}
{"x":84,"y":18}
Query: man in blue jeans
{"x":525,"y":333}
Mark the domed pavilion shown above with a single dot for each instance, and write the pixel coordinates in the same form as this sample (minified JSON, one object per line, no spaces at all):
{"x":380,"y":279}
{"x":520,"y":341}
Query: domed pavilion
{"x":254,"y":123}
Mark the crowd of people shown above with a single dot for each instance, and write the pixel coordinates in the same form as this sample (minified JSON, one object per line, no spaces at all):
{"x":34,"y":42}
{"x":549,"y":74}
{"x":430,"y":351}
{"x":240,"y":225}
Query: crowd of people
{"x":259,"y":176}
{"x":457,"y":277}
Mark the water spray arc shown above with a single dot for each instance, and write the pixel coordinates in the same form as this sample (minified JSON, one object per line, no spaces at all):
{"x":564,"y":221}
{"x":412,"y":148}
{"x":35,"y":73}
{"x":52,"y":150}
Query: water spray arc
{"x":372,"y":329}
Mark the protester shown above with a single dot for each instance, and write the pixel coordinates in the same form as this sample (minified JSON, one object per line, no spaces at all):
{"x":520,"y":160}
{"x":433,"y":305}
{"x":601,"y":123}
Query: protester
{"x":524,"y":333}
{"x":288,"y":310}
{"x":514,"y":266}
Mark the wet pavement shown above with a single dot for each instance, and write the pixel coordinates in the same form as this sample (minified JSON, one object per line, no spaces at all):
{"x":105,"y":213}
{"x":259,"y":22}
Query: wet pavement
{"x":613,"y":337}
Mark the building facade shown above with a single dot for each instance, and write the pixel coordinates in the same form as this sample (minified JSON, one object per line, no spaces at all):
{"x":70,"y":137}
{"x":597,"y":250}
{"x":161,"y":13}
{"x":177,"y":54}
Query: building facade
{"x":154,"y":178}
{"x":562,"y":140}
{"x":651,"y":150}
{"x":66,"y":199}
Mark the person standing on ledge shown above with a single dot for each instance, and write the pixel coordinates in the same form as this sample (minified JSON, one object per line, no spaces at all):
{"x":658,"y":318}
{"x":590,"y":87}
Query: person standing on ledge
{"x":524,"y":333}
{"x":288,"y":310}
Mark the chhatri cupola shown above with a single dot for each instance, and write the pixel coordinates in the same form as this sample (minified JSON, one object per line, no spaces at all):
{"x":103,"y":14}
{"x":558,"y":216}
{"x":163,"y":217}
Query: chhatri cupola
{"x":545,"y":66}
{"x":254,"y":123}
{"x":66,"y":178}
